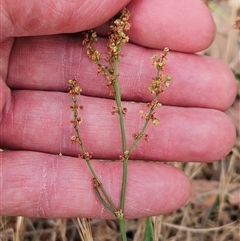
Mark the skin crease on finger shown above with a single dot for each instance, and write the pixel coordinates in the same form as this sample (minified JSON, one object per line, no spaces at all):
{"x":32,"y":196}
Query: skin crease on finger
{"x":43,"y":185}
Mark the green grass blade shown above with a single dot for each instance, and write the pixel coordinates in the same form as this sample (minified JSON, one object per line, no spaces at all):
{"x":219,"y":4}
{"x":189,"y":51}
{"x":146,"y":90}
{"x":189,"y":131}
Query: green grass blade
{"x":149,"y":233}
{"x":237,"y":75}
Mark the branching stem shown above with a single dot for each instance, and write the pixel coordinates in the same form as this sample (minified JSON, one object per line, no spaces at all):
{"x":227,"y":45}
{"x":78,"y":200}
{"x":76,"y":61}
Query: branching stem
{"x":95,"y":176}
{"x":117,"y":38}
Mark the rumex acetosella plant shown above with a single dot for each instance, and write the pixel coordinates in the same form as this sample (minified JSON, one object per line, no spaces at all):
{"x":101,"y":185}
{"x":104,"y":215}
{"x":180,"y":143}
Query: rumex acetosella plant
{"x":116,"y":39}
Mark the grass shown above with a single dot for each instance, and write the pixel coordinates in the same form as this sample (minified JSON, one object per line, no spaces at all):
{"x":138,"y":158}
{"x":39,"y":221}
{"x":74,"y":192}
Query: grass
{"x":212,"y":213}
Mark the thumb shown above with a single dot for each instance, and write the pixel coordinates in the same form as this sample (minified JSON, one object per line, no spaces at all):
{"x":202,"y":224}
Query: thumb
{"x":33,"y":17}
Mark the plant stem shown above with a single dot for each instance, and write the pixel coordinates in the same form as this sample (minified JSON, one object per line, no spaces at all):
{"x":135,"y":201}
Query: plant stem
{"x":138,"y":139}
{"x":123,"y":135}
{"x":108,"y":199}
{"x":119,"y":106}
{"x":124,"y":184}
{"x":122,"y":226}
{"x":122,"y":127}
{"x":131,"y":148}
{"x":117,"y":99}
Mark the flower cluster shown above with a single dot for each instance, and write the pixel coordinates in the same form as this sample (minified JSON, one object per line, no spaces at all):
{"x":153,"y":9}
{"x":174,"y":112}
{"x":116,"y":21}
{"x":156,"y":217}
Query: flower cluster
{"x":138,"y":136}
{"x":119,"y":214}
{"x":96,"y":183}
{"x":86,"y":155}
{"x":151,"y":116}
{"x":117,"y":38}
{"x":158,"y":86}
{"x":154,"y":104}
{"x":74,"y":87}
{"x":125,"y":156}
{"x":90,"y":39}
{"x":75,"y":90}
{"x":75,"y":139}
{"x":116,"y":110}
{"x":159,"y":63}
{"x":161,"y":81}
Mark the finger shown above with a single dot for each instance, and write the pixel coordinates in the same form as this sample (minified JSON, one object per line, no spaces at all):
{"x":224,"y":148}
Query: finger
{"x":159,"y":23}
{"x":30,"y":18}
{"x":40,"y":121}
{"x":154,"y":24}
{"x":50,"y":186}
{"x":196,"y":80}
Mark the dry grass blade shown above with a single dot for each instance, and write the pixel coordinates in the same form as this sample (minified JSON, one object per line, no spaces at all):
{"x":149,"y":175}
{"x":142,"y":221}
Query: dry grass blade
{"x":62,"y":224}
{"x":7,"y":234}
{"x":197,"y":230}
{"x":84,"y":229}
{"x":19,"y":228}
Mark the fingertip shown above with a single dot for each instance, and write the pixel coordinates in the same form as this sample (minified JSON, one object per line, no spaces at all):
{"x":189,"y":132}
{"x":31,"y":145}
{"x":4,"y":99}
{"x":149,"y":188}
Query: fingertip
{"x":161,"y":189}
{"x":203,"y":81}
{"x":229,"y":85}
{"x":185,"y":26}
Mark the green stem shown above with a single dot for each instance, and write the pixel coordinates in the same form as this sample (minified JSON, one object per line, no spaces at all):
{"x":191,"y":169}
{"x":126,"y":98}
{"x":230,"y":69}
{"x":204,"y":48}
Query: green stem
{"x":131,"y":148}
{"x":119,"y":106}
{"x":125,"y":161}
{"x":123,"y":135}
{"x":122,"y":127}
{"x":108,"y":199}
{"x":124,"y":184}
{"x":140,"y":134}
{"x":105,"y":204}
{"x":117,"y":99}
{"x":122,"y":226}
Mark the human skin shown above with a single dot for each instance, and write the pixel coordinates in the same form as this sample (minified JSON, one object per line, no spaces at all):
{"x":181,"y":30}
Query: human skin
{"x":40,"y":50}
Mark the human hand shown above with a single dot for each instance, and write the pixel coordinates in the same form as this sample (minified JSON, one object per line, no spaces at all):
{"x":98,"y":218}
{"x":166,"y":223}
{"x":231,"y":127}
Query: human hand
{"x":34,"y":180}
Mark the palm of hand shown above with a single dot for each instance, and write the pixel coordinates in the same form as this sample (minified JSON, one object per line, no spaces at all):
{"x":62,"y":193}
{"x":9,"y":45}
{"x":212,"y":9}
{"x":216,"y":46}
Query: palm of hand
{"x":35,"y":118}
